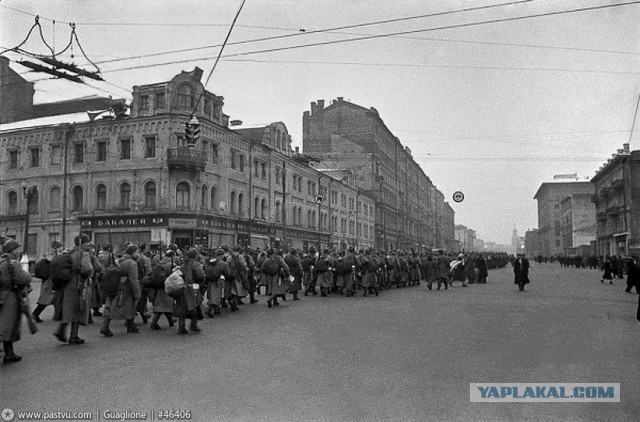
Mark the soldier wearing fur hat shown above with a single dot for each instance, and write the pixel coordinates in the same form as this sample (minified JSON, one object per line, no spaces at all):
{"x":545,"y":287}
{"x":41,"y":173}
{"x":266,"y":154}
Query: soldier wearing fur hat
{"x":277,"y":275}
{"x":216,"y":272}
{"x":123,"y":305}
{"x":189,"y":303}
{"x":13,"y":282}
{"x":292,"y":259}
{"x":249,"y":259}
{"x":73,"y":301}
{"x":308,"y":263}
{"x":161,"y":301}
{"x":43,"y":272}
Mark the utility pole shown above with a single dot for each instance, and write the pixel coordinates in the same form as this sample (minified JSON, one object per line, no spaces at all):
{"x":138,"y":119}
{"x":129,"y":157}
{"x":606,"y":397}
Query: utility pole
{"x":284,"y":207}
{"x":68,"y":135}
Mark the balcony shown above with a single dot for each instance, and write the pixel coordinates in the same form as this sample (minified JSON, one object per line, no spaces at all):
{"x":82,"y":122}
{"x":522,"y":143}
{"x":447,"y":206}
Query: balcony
{"x":186,"y":159}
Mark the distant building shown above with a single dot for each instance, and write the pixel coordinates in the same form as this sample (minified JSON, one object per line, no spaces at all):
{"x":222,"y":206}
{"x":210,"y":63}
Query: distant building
{"x":465,"y":238}
{"x":617,"y":193}
{"x":549,"y":197}
{"x":532,"y":243}
{"x":578,"y":223}
{"x":412,"y":212}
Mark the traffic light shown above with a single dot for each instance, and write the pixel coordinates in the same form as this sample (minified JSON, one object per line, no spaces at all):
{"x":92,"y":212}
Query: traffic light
{"x":195,"y":130}
{"x":188,"y":133}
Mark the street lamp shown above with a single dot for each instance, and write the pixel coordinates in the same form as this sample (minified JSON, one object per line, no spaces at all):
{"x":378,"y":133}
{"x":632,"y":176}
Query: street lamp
{"x":29,"y":192}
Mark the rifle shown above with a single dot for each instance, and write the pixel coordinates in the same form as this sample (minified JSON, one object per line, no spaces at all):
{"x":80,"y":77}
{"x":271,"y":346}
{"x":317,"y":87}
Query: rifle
{"x":22,"y":296}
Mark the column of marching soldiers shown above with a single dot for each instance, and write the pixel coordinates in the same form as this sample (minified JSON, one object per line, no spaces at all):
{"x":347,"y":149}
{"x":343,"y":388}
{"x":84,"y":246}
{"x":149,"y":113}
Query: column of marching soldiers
{"x":83,"y":284}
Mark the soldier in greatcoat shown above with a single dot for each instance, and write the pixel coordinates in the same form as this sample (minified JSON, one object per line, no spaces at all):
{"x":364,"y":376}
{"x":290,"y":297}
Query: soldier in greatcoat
{"x":188,"y":304}
{"x":216,"y":273}
{"x":292,"y":259}
{"x":15,"y":282}
{"x":123,"y":305}
{"x":73,"y":301}
{"x":442,"y":273}
{"x":278,"y":278}
{"x":308,"y":262}
{"x":46,"y":290}
{"x":161,"y":301}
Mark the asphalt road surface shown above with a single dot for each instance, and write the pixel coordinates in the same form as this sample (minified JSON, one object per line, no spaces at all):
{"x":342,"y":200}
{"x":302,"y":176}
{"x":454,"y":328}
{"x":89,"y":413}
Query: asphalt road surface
{"x":407,"y":355}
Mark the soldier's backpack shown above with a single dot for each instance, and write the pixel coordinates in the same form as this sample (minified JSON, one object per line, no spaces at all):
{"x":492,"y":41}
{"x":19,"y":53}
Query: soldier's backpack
{"x":322,"y":265}
{"x":61,"y":270}
{"x":157,"y":277}
{"x":42,"y":269}
{"x":270,"y":266}
{"x":111,"y":281}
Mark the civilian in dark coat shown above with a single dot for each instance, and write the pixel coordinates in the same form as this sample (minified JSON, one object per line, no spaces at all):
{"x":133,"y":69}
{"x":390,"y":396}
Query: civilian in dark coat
{"x":442,"y":273}
{"x":521,"y":271}
{"x":606,"y":271}
{"x":14,"y":282}
{"x":633,"y":276}
{"x":483,"y":273}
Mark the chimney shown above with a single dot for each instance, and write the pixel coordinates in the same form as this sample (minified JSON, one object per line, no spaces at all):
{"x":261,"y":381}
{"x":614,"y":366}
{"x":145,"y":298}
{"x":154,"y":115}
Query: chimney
{"x":340,"y":99}
{"x":320,"y":105}
{"x":620,"y":151}
{"x":314,"y":108}
{"x":297,"y":150}
{"x":625,"y":147}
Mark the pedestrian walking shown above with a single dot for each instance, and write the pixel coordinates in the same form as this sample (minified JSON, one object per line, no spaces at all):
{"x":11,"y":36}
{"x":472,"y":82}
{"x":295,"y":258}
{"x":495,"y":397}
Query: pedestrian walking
{"x":457,"y":270}
{"x":607,"y":271}
{"x":42,"y":271}
{"x":162,"y":303}
{"x":521,"y":271}
{"x":633,"y":275}
{"x":483,"y":273}
{"x":442,"y":274}
{"x":15,"y":283}
{"x":216,"y":273}
{"x":189,"y":303}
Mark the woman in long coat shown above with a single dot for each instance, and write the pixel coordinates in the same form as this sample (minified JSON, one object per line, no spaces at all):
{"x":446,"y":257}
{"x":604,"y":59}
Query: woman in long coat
{"x":14,"y":280}
{"x":123,"y":305}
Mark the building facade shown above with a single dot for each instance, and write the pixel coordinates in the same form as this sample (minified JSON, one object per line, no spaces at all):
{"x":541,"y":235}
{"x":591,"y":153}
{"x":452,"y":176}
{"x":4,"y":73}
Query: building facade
{"x":411,"y":211}
{"x":134,"y":178}
{"x":616,"y":199}
{"x":532,"y":243}
{"x":550,"y":196}
{"x":578,"y":228}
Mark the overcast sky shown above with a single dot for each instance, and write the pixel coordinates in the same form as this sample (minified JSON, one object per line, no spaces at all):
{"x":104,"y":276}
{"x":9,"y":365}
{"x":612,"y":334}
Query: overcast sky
{"x":490,"y":109}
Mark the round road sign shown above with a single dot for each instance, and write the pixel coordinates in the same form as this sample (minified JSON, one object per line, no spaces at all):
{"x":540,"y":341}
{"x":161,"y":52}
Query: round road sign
{"x":458,"y":196}
{"x":319,"y":199}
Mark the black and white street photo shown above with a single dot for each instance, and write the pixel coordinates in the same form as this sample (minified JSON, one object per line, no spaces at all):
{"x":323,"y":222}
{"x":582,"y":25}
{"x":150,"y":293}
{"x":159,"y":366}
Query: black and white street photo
{"x":340,"y":210}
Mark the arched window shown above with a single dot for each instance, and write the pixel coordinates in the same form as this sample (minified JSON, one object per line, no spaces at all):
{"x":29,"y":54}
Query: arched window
{"x":183,"y":195}
{"x":263,"y":209}
{"x":284,"y":142}
{"x":295,"y":215}
{"x":34,"y":203}
{"x":77,"y":198}
{"x":278,"y":216}
{"x":12,"y":201}
{"x":232,"y":201}
{"x":313,"y":220}
{"x":309,"y":220}
{"x":240,"y":204}
{"x":150,"y":195}
{"x":125,"y":195}
{"x":256,"y":209}
{"x":101,"y":197}
{"x":186,"y":96}
{"x":214,"y":206}
{"x":54,"y":199}
{"x":300,"y":215}
{"x":203,"y":199}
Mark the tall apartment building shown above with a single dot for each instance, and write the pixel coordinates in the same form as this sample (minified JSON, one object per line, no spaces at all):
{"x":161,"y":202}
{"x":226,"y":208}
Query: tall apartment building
{"x":411,"y":211}
{"x":617,"y":204}
{"x":578,"y":216}
{"x":133,"y":177}
{"x":550,"y":196}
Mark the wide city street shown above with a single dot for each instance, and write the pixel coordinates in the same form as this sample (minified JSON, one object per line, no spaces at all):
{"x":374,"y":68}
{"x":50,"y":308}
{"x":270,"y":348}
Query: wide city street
{"x":407,"y":355}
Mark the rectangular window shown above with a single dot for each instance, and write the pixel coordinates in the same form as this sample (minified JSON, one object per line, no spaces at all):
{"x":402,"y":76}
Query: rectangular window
{"x":56,"y":155}
{"x":125,"y":149}
{"x":233,"y":160}
{"x":102,"y":151}
{"x":264,"y":170}
{"x":13,"y":159}
{"x":160,"y":100}
{"x":256,"y":171}
{"x":241,"y":162}
{"x":278,"y":173}
{"x":144,"y":102}
{"x":214,"y":153}
{"x":35,"y":157}
{"x":150,"y":147}
{"x":78,"y":153}
{"x":207,"y":108}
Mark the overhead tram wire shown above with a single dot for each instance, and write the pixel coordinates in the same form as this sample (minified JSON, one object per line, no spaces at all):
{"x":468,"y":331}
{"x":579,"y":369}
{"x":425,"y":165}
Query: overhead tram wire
{"x":377,"y":36}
